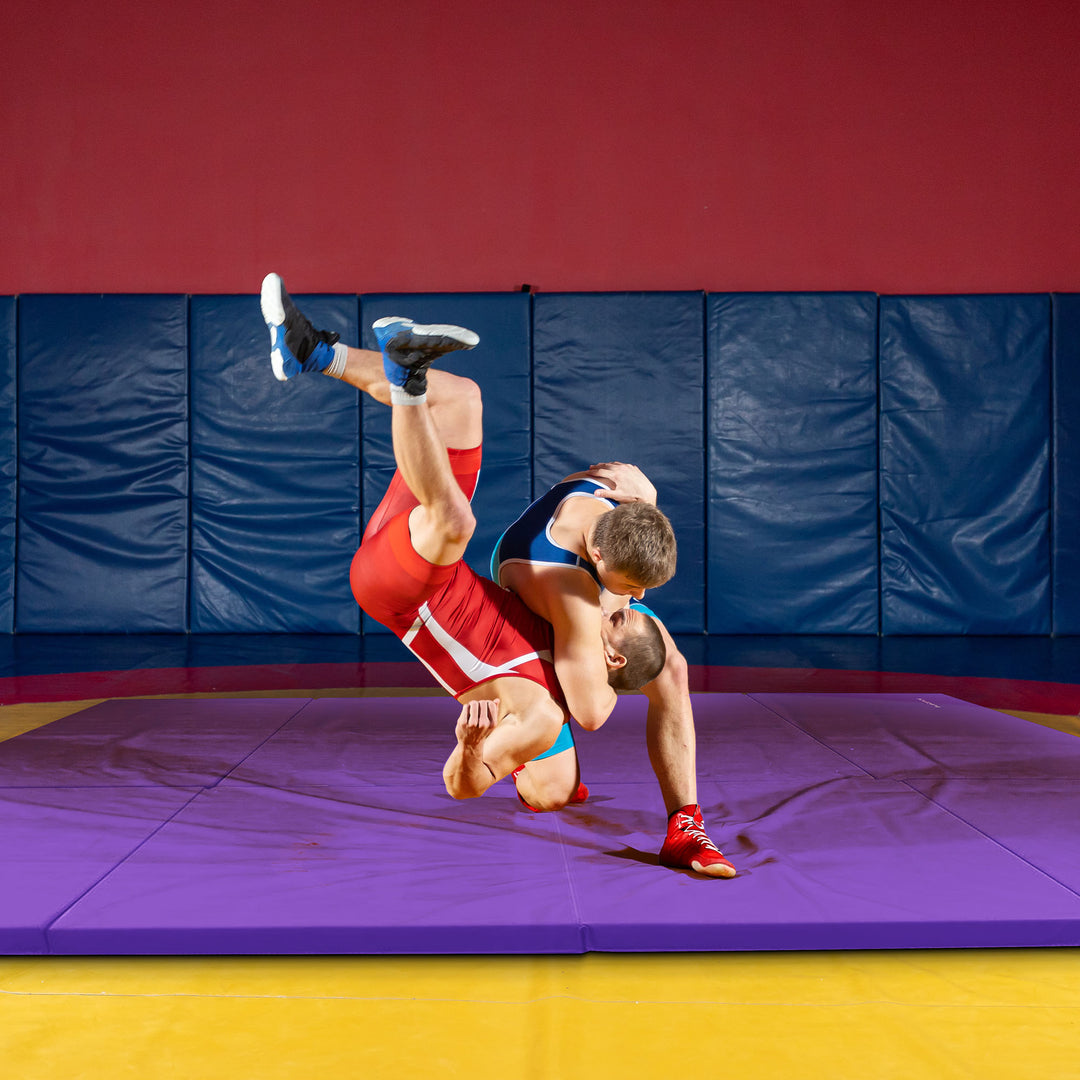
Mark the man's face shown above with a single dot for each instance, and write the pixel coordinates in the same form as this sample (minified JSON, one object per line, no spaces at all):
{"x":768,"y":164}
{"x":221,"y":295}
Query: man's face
{"x":617,"y":583}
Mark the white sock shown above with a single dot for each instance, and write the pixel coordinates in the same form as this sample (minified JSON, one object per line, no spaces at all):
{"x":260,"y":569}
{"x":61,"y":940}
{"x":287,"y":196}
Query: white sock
{"x":399,"y":397}
{"x":337,"y":366}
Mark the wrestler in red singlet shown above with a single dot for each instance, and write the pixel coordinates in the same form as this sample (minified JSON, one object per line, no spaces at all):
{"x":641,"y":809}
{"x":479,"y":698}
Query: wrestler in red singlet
{"x":465,"y":629}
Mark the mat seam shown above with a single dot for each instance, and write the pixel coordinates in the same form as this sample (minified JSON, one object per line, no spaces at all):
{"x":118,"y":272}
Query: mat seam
{"x":50,"y":926}
{"x":195,"y":793}
{"x":575,"y":907}
{"x":993,"y":839}
{"x":308,"y":702}
{"x":810,"y":735}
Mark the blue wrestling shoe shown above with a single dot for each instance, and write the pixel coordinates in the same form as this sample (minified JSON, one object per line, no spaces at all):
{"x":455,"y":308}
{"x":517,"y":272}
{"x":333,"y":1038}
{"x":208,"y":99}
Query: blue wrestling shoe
{"x":295,"y":345}
{"x":409,"y":349}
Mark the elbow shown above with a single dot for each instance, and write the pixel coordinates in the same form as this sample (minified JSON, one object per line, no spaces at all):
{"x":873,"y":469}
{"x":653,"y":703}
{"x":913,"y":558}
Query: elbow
{"x":455,"y":791}
{"x":591,"y":721}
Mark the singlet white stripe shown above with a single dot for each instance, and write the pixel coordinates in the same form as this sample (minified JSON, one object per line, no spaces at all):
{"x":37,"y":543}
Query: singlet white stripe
{"x":565,"y":499}
{"x":472,"y":667}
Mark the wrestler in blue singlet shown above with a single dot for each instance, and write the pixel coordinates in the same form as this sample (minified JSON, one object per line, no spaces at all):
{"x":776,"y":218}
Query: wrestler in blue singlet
{"x":529,"y":540}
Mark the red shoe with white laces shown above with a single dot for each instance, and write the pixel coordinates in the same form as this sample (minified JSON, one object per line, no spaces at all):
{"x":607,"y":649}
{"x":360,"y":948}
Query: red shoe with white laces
{"x":688,"y":846}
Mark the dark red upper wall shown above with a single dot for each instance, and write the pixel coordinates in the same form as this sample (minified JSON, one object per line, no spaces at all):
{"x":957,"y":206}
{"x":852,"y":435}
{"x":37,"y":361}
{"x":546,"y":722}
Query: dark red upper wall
{"x":420,"y":145}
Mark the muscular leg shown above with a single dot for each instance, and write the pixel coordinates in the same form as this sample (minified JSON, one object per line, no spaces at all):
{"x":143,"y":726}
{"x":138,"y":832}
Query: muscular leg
{"x":454,"y":401}
{"x":669,"y":730}
{"x":672,"y":751}
{"x":452,"y":416}
{"x":442,"y":525}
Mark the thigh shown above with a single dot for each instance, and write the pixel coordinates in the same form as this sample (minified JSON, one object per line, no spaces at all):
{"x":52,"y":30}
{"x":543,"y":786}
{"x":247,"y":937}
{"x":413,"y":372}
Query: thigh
{"x":400,"y":500}
{"x":390,"y":580}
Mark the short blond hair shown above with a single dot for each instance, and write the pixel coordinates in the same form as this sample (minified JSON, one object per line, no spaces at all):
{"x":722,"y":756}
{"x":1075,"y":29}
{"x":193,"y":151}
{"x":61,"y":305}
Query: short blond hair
{"x":636,"y":539}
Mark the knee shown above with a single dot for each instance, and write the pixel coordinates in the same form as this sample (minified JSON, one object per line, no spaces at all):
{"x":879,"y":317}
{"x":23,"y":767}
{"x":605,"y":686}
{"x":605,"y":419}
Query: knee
{"x":676,"y":671}
{"x":545,"y":797}
{"x":458,"y":521}
{"x":546,"y":793}
{"x":457,"y":408}
{"x":469,"y":394}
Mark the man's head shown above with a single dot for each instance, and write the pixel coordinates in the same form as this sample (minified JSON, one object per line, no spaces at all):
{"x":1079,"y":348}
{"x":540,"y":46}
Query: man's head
{"x":633,"y":548}
{"x":634,"y":649}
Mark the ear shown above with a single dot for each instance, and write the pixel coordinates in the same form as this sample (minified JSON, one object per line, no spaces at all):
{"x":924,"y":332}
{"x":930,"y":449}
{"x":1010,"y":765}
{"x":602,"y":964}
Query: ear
{"x":613,"y":659}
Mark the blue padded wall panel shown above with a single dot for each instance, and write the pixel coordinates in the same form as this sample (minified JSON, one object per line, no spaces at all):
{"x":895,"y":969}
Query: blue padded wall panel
{"x":793,"y":463}
{"x":275,"y":477}
{"x":500,"y":366}
{"x":965,"y":477}
{"x":103,"y":466}
{"x":8,"y":470}
{"x":620,"y":377}
{"x":1066,"y":535}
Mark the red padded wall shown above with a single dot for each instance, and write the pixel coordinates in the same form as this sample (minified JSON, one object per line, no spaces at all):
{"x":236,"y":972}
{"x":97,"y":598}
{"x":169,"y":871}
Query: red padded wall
{"x":418,"y":145}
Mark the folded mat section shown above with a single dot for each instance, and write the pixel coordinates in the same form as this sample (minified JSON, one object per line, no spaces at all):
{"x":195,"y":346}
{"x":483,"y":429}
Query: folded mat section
{"x":250,"y":869}
{"x":1034,"y":819}
{"x":838,"y":864}
{"x":929,"y":735}
{"x":737,"y":737}
{"x":56,"y":843}
{"x":182,"y":742}
{"x":335,"y":746}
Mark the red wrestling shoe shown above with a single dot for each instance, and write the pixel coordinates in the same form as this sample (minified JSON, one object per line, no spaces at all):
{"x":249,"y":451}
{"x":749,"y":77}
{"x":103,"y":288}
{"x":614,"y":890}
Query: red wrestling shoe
{"x":688,"y":846}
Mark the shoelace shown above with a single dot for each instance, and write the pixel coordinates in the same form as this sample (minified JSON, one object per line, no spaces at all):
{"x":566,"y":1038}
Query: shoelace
{"x":689,"y":827}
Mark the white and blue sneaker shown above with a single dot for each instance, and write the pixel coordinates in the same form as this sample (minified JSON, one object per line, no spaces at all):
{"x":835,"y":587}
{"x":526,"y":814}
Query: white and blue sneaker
{"x":409,"y":349}
{"x":295,"y":345}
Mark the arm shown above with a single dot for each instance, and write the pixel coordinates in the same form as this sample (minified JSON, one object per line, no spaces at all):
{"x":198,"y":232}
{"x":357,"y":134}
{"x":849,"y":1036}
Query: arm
{"x":579,"y":655}
{"x":465,"y":774}
{"x":490,"y":746}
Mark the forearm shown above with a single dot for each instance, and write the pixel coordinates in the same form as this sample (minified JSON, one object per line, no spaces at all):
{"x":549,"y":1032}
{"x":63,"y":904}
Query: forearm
{"x":581,"y":670}
{"x":589,"y":699}
{"x":465,"y":774}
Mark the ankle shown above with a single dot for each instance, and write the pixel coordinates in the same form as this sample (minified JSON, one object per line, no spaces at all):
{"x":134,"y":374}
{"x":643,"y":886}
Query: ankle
{"x":336,"y":367}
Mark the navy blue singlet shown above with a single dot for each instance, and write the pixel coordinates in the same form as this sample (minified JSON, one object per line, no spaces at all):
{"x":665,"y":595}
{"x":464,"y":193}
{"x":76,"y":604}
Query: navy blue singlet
{"x":529,"y":538}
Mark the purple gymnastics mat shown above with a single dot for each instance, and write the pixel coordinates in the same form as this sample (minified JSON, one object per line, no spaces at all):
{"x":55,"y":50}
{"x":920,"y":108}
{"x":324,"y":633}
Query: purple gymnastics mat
{"x":231,"y":826}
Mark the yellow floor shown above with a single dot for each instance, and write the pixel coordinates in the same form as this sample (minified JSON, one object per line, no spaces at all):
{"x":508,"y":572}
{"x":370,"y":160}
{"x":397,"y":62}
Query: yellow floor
{"x":978,"y":1014}
{"x":984,"y":1015}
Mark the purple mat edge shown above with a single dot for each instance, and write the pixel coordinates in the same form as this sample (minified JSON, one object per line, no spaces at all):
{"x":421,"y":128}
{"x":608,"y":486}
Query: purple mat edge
{"x":526,"y":941}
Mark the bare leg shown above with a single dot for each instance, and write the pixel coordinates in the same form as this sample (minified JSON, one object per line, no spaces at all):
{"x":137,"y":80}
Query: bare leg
{"x":454,"y":401}
{"x":672,"y":752}
{"x":442,"y":525}
{"x":670,"y":730}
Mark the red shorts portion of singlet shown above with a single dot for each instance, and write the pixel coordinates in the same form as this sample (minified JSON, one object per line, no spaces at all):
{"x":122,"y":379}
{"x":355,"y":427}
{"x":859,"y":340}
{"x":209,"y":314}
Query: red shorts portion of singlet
{"x":465,"y":629}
